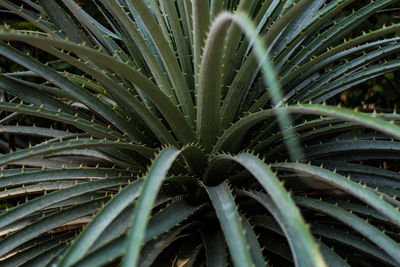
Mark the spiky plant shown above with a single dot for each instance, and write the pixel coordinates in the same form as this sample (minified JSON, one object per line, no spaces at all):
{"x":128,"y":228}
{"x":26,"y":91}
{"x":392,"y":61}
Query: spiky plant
{"x":223,"y":101}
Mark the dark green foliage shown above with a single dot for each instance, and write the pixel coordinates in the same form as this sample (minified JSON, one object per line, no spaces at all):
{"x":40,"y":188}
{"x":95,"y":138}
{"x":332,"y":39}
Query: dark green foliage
{"x":199,"y":133}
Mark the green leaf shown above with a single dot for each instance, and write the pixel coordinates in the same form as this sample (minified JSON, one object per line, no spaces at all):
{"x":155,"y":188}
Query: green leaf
{"x":168,"y":217}
{"x":325,"y":15}
{"x":35,"y":189}
{"x":234,"y":35}
{"x":49,"y":74}
{"x":120,"y":225}
{"x":33,"y":96}
{"x":152,"y":184}
{"x":354,"y":149}
{"x":161,"y":101}
{"x":324,"y":92}
{"x":231,"y":224}
{"x":284,"y":20}
{"x":134,"y":109}
{"x":311,"y":135}
{"x":36,"y":20}
{"x":33,"y":130}
{"x":294,"y":27}
{"x":178,"y":36}
{"x":200,"y":26}
{"x":96,"y":29}
{"x":169,"y":60}
{"x":383,"y":241}
{"x":379,"y":173}
{"x":209,"y":83}
{"x":49,"y":199}
{"x":353,"y":241}
{"x":47,"y":223}
{"x":86,"y":125}
{"x":333,"y":53}
{"x":269,"y":75}
{"x":63,"y":21}
{"x":214,"y":245}
{"x":341,"y":71}
{"x":146,"y":52}
{"x":40,"y":249}
{"x":152,"y":249}
{"x":338,"y":181}
{"x":270,"y":224}
{"x":367,"y":120}
{"x":306,"y":250}
{"x":104,"y":255}
{"x":91,"y":232}
{"x":159,"y":223}
{"x":336,"y":31}
{"x":45,"y":258}
{"x":48,"y":148}
{"x":255,"y":249}
{"x":114,"y":249}
{"x":115,"y":246}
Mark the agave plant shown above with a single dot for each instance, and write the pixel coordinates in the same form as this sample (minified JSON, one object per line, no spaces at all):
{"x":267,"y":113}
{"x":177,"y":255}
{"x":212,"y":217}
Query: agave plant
{"x":193,"y":133}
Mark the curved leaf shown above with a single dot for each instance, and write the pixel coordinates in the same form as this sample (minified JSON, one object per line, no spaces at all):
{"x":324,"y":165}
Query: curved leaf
{"x":47,"y":148}
{"x":58,"y":219}
{"x":61,"y":81}
{"x":214,"y":245}
{"x":161,"y":101}
{"x":90,"y":233}
{"x":269,"y":75}
{"x":344,"y":184}
{"x":29,"y":176}
{"x":383,"y":241}
{"x":231,"y":224}
{"x":270,"y":224}
{"x":152,"y":184}
{"x":363,"y":119}
{"x":49,"y":199}
{"x":306,"y":252}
